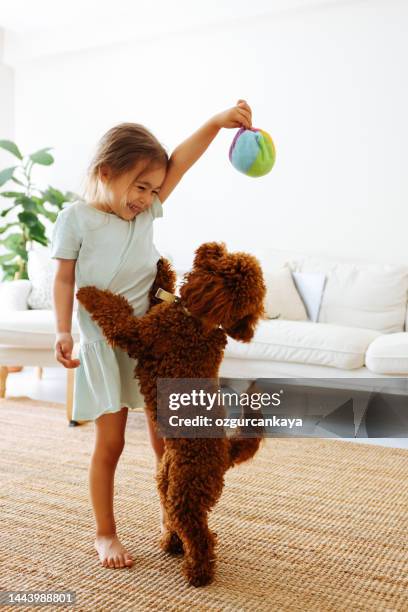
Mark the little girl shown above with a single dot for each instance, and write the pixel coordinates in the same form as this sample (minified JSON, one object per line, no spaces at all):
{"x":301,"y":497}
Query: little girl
{"x":106,"y":240}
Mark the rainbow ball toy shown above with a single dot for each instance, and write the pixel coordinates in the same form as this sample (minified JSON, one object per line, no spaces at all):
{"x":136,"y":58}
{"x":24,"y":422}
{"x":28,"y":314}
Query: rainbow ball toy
{"x":252,"y":152}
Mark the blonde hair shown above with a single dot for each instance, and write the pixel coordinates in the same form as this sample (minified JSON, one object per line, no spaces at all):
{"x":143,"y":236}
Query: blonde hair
{"x":121,"y":148}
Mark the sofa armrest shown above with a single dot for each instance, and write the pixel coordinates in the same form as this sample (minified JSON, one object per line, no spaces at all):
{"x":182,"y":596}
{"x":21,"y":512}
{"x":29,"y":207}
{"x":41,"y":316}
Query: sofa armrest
{"x":14,"y":294}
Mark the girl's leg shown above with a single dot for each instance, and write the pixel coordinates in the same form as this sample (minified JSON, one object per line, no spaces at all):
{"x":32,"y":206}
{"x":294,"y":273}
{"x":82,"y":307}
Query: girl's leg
{"x":109,"y":444}
{"x":157,"y":444}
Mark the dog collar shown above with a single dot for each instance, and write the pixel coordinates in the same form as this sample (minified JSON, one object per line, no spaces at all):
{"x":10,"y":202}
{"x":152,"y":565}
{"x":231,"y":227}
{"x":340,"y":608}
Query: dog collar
{"x":166,"y":296}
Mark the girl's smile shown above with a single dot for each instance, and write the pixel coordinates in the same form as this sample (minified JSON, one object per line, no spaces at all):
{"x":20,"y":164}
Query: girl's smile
{"x":133,"y":192}
{"x":135,"y":208}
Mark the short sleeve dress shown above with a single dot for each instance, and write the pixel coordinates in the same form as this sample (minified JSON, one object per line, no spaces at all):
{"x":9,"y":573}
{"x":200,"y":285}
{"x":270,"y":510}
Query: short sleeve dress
{"x":115,"y":254}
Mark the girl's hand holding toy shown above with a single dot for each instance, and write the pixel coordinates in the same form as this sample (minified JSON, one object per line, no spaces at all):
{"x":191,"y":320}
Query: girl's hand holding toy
{"x":235,"y":117}
{"x":252,"y":151}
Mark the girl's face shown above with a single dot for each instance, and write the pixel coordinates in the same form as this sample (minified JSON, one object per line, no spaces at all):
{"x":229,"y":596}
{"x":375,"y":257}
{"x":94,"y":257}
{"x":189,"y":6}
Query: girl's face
{"x":133,"y":192}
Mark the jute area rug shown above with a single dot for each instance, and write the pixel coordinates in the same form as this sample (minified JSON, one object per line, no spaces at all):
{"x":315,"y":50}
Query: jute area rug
{"x":307,"y":525}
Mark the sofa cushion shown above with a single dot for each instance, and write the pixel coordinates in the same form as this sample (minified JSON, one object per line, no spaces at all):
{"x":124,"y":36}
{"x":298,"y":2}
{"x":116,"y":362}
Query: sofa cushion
{"x":14,"y":294}
{"x":305,"y":342}
{"x":388,"y":354}
{"x":372,"y":296}
{"x":356,"y":294}
{"x":282,"y":299}
{"x":30,"y":328}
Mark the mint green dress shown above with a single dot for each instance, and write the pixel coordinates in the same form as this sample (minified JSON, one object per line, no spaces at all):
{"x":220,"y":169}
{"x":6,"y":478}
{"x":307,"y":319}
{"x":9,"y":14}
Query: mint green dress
{"x":113,"y":254}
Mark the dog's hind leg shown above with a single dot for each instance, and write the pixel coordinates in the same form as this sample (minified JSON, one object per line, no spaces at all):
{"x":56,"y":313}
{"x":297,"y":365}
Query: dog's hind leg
{"x":198,"y":543}
{"x":171,"y":543}
{"x":169,"y":540}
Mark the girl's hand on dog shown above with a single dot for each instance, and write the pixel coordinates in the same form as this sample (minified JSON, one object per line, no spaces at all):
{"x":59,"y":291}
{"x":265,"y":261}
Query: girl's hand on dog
{"x":236,"y":117}
{"x":64,"y":344}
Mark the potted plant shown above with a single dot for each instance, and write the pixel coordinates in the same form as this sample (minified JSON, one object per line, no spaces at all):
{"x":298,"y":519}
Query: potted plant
{"x":29,"y":204}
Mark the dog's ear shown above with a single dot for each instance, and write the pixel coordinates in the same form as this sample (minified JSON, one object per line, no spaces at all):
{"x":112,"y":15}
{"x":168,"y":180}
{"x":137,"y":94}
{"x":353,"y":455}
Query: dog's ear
{"x":243,"y":329}
{"x":209,"y":254}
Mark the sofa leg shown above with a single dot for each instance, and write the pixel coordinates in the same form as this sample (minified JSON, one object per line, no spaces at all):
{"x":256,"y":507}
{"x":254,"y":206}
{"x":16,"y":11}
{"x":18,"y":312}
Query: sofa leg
{"x":39,"y":373}
{"x":3,"y":380}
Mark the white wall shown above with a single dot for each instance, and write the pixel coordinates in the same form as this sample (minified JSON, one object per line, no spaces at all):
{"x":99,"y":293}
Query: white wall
{"x":6,"y":125}
{"x":328,"y":83}
{"x":6,"y":105}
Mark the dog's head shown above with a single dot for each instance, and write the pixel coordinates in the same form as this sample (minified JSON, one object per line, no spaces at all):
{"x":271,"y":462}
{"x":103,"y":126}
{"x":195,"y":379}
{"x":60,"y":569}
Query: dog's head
{"x":225,"y":289}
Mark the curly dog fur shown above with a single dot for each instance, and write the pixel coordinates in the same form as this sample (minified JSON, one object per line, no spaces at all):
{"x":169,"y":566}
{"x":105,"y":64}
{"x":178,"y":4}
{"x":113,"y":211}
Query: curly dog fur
{"x":222,"y":296}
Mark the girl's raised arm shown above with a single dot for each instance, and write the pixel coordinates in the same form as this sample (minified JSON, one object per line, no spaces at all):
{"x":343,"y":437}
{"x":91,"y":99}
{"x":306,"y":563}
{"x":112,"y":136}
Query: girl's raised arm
{"x":190,"y":150}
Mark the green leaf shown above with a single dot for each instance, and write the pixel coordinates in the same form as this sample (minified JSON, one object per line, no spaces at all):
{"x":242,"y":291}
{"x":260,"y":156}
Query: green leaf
{"x":42,"y":157}
{"x":39,"y":238}
{"x":47,"y":213}
{"x":5,"y":227}
{"x":37,"y":200}
{"x":13,"y":242}
{"x":10,"y":270}
{"x":10,"y":146}
{"x":4,"y":212}
{"x":53,"y":196}
{"x":5,"y":175}
{"x":11,"y":194}
{"x":7,"y":257}
{"x":23,"y":254}
{"x":28,"y":218}
{"x":13,"y":178}
{"x":37,"y":232}
{"x":27,"y":203}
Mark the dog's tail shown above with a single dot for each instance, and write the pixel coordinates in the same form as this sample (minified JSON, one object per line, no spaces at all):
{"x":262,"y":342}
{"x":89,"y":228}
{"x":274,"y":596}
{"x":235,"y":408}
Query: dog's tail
{"x":245,"y":443}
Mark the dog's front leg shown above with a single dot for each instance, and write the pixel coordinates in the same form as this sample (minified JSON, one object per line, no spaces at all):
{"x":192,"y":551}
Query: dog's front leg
{"x":114,"y":315}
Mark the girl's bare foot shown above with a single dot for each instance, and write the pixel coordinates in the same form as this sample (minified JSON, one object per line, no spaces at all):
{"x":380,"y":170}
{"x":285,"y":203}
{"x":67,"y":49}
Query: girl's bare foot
{"x":111,"y":552}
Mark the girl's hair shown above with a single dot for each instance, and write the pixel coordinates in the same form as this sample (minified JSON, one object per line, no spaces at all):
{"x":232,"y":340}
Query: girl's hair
{"x":121,"y":148}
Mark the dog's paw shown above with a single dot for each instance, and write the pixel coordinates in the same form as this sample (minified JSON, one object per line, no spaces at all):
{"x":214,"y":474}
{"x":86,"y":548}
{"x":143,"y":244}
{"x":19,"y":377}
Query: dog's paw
{"x":87,"y":296}
{"x":171,"y":543}
{"x":199,"y":575}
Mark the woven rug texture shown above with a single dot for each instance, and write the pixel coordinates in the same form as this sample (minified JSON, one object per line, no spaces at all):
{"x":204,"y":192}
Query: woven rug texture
{"x":308,"y":524}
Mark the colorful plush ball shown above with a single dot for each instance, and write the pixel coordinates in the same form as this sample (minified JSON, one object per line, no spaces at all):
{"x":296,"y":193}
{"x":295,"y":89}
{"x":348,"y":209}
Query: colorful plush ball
{"x":252,"y":152}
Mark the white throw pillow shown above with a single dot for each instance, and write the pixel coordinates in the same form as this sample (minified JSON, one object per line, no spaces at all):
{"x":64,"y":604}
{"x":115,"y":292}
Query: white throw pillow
{"x":310,"y":286}
{"x":41,"y":273}
{"x":41,"y":270}
{"x":282,"y":299}
{"x":14,"y":295}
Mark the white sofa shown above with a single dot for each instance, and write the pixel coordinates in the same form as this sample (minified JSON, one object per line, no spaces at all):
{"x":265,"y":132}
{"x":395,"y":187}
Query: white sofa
{"x":27,"y":336}
{"x":361,"y":331}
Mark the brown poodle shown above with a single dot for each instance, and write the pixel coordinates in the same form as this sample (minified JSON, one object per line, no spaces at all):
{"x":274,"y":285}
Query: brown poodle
{"x":185,"y":338}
